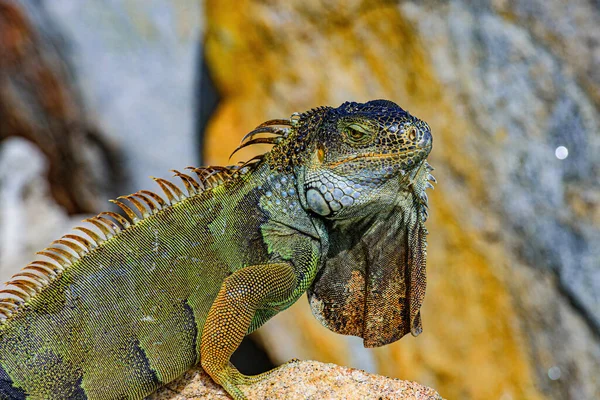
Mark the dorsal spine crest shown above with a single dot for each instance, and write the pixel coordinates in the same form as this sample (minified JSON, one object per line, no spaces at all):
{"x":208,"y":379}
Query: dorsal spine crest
{"x":71,"y":248}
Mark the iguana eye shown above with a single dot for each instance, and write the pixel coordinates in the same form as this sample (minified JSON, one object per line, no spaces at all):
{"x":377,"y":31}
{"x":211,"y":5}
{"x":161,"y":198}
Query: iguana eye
{"x":357,"y":134}
{"x":412,"y":133}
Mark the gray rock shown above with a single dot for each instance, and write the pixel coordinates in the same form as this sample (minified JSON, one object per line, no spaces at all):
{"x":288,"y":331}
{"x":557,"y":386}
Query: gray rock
{"x":135,"y":62}
{"x":519,"y":86}
{"x":530,"y":78}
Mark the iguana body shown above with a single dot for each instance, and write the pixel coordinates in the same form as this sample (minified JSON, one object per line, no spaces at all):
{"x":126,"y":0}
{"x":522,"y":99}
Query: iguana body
{"x":336,"y":207}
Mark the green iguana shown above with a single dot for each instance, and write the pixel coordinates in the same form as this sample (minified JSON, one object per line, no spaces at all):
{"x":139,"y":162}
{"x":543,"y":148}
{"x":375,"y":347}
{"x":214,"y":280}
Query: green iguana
{"x":336,"y":208}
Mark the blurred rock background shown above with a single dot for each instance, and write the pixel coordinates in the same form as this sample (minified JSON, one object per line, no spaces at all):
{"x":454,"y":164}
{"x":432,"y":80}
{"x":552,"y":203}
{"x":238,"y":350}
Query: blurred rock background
{"x":94,"y":98}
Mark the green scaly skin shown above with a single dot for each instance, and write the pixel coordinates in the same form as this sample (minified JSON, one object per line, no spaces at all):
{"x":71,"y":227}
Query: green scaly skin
{"x":336,"y":208}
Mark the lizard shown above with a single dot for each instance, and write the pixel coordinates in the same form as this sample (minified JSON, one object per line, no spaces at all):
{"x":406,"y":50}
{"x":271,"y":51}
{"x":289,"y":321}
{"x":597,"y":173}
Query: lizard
{"x":131,"y":301}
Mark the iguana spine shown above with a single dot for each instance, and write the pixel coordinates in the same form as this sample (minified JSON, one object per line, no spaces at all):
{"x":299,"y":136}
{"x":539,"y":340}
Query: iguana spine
{"x":64,"y":252}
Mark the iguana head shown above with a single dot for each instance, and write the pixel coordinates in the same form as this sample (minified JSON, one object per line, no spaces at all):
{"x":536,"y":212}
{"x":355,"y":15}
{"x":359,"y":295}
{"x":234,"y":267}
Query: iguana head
{"x":360,"y":156}
{"x":362,"y":168}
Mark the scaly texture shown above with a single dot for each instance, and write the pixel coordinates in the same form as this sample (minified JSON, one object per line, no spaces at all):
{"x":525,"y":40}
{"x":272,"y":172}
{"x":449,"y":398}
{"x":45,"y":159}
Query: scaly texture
{"x":131,"y":303}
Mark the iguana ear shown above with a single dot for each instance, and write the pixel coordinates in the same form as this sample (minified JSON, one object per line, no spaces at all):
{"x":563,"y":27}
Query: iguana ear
{"x":374,"y":288}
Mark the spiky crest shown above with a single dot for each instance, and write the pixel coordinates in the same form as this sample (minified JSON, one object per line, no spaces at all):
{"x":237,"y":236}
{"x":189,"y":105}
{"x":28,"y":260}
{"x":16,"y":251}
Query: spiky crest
{"x":71,"y":248}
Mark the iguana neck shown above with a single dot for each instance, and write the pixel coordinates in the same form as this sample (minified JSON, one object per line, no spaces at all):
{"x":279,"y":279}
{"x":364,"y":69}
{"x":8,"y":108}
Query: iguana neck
{"x":409,"y":199}
{"x":373,"y":281}
{"x":281,"y":196}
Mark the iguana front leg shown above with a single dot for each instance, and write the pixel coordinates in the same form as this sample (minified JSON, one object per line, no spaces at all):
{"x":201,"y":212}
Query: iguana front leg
{"x":230,"y":316}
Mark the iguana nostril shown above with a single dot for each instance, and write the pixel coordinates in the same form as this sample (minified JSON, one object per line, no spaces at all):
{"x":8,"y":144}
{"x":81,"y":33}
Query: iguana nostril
{"x":412,"y":133}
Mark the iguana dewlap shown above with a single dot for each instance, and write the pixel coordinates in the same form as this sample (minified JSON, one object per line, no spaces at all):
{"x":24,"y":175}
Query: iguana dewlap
{"x":336,"y":208}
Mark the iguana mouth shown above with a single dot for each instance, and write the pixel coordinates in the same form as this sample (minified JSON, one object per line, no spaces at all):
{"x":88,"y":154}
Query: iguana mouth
{"x":370,"y":156}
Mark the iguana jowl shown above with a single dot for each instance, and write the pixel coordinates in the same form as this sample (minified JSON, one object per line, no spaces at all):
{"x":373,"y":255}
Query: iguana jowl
{"x":336,"y":208}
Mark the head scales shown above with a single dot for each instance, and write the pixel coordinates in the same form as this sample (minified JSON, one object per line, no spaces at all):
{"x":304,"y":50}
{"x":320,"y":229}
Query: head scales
{"x":318,"y":126}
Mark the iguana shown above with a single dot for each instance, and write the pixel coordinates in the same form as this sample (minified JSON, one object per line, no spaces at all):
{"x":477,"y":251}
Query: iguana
{"x":336,"y":208}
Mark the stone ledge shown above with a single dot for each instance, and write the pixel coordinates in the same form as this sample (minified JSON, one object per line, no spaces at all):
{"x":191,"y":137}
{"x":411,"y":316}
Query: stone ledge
{"x":302,"y":380}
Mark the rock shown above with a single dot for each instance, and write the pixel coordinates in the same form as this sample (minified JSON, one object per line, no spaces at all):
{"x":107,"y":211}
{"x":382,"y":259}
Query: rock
{"x":136,"y":64}
{"x":513,"y":277}
{"x":40,"y":102}
{"x":301,"y":380}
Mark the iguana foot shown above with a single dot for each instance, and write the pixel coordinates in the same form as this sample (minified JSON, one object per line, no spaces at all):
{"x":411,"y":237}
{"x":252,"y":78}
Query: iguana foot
{"x":229,"y":378}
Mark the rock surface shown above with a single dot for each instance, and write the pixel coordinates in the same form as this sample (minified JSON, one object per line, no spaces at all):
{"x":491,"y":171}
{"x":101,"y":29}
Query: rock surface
{"x":302,"y":380}
{"x":514,"y":273}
